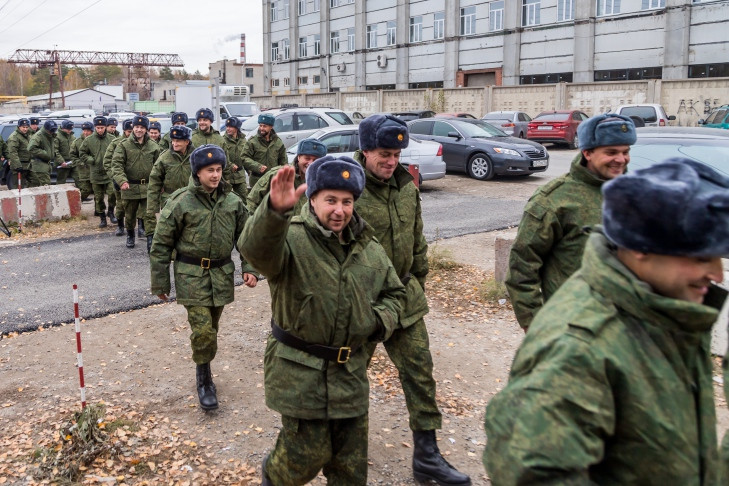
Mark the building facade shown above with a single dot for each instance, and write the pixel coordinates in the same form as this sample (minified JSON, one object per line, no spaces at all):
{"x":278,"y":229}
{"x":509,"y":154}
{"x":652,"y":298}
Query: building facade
{"x":313,"y":46}
{"x":234,"y":73}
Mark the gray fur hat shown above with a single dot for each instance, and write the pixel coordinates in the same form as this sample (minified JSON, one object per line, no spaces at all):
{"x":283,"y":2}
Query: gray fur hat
{"x":383,"y":131}
{"x":606,"y":129}
{"x":204,"y":156}
{"x":310,"y":146}
{"x":335,"y":173}
{"x":677,"y":207}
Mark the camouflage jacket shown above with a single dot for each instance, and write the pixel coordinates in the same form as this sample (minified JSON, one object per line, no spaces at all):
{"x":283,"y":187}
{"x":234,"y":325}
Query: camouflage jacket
{"x":63,"y":142}
{"x":132,"y":162}
{"x":263,"y":186}
{"x":18,"y":149}
{"x":198,"y":226}
{"x":234,"y":152}
{"x":323,"y":292}
{"x":82,"y":170}
{"x":259,"y":152}
{"x":211,"y":137}
{"x":3,"y":149}
{"x":42,"y":147}
{"x":393,"y":209}
{"x":92,"y":152}
{"x":611,"y":385}
{"x":165,"y":143}
{"x":170,"y":172}
{"x":110,"y":153}
{"x":550,"y":240}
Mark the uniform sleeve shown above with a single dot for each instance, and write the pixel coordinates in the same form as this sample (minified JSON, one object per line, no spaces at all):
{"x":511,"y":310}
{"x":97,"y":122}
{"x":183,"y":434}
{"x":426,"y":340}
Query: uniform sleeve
{"x":419,"y":269}
{"x":36,"y":149}
{"x":249,"y":163}
{"x":75,"y":154}
{"x":13,"y":154}
{"x":85,"y":152}
{"x":263,"y":240}
{"x":243,"y":217}
{"x":388,"y":308}
{"x":57,"y":155}
{"x":538,"y":231}
{"x":258,"y":192}
{"x":108,"y":155}
{"x":165,"y":234}
{"x":118,"y":161}
{"x":154,"y":188}
{"x":3,"y":148}
{"x":164,"y":143}
{"x":282,"y":158}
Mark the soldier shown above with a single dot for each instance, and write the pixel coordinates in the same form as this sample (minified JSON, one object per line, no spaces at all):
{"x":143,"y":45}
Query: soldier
{"x":92,"y":152}
{"x":178,"y":119}
{"x":34,"y":123}
{"x":326,"y":306}
{"x":4,"y":162}
{"x":42,"y":148}
{"x":550,"y":241}
{"x":170,"y":172}
{"x":111,"y":125}
{"x":131,"y":165}
{"x":308,"y":151}
{"x":264,"y":150}
{"x":201,"y":222}
{"x":205,"y":133}
{"x":391,"y":204}
{"x":18,"y":155}
{"x":64,"y":140}
{"x":81,"y":172}
{"x":118,"y":215}
{"x":613,"y":382}
{"x":155,"y":129}
{"x":233,"y":145}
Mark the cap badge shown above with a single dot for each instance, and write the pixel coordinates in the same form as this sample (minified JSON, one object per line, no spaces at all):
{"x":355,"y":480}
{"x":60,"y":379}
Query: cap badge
{"x":624,"y":128}
{"x":210,"y":155}
{"x":400,"y":137}
{"x":345,"y":174}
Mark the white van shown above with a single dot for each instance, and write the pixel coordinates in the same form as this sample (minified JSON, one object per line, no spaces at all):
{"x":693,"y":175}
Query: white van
{"x":653,"y":115}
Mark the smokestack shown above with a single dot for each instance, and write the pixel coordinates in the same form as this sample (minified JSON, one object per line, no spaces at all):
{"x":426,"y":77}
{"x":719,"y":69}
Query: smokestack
{"x":242,"y":48}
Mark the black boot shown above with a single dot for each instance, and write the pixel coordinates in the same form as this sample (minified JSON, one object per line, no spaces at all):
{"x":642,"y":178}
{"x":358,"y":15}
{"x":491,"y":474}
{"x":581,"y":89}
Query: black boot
{"x":264,"y":479}
{"x":149,"y":243}
{"x":206,"y":388}
{"x":130,"y":238}
{"x":428,"y":464}
{"x":140,"y":228}
{"x":103,"y":223}
{"x":110,"y":213}
{"x":119,"y":227}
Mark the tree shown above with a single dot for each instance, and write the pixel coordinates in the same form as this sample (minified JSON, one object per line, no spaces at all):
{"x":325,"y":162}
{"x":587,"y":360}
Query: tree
{"x":166,"y":74}
{"x":107,"y":74}
{"x":197,"y":75}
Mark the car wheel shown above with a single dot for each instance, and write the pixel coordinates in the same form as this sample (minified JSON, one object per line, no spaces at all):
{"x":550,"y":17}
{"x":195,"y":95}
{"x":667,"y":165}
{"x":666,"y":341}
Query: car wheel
{"x":575,"y":142}
{"x":480,"y":167}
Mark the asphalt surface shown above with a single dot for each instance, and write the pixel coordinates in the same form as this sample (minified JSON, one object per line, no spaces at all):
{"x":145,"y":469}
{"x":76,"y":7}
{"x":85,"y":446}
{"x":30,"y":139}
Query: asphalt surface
{"x":36,"y":279}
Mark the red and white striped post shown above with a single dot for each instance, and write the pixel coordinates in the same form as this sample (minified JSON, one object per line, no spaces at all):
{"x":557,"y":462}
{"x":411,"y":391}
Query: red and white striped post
{"x":20,"y":213}
{"x":77,"y":321}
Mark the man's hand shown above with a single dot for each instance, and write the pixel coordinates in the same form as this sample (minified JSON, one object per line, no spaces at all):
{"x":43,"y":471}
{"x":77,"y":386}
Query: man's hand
{"x":283,"y":195}
{"x":234,"y":168}
{"x":163,"y":297}
{"x":263,"y":168}
{"x":124,"y":186}
{"x":250,"y":280}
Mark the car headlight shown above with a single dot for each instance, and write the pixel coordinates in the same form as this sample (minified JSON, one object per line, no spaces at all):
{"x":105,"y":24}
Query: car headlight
{"x":506,"y":151}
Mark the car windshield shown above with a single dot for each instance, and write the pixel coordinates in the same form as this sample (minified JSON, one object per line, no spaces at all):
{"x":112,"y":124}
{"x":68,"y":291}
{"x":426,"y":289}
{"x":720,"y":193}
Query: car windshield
{"x":714,"y":153}
{"x":478,"y":129}
{"x":242,"y":109}
{"x":250,"y":124}
{"x":647,"y":113}
{"x":341,"y":117}
{"x":552,"y":117}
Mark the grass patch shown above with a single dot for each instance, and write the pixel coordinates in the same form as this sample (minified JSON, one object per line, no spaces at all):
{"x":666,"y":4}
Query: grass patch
{"x":120,"y":423}
{"x":491,"y":291}
{"x":440,"y":258}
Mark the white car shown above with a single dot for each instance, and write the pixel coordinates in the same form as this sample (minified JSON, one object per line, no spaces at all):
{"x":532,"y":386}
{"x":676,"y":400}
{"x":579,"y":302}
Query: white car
{"x":344,"y":140}
{"x":294,"y":124}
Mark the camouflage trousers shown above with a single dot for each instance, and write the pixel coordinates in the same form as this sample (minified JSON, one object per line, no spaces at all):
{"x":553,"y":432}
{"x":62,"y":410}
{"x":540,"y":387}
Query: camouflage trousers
{"x":132,"y":208}
{"x":62,"y":174}
{"x":119,"y":209}
{"x":409,"y":350}
{"x":204,"y":323}
{"x":99,"y":191}
{"x":12,"y":178}
{"x":40,"y":174}
{"x":305,"y":447}
{"x":85,"y":188}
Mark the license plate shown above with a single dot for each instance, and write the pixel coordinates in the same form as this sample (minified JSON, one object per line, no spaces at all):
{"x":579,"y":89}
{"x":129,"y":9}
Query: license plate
{"x":539,"y":163}
{"x":544,"y":127}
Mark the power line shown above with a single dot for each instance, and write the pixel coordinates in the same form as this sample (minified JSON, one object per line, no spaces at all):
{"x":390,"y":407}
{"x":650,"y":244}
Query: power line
{"x":60,"y":23}
{"x":5,"y":5}
{"x":23,"y":17}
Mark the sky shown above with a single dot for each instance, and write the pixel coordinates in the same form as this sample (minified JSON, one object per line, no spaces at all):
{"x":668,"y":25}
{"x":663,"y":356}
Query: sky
{"x":199,"y":31}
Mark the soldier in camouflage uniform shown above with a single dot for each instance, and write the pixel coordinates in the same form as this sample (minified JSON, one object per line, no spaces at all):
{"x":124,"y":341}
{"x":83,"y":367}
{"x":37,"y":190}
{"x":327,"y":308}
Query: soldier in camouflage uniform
{"x":155,"y":129}
{"x":117,"y":216}
{"x":178,"y":119}
{"x":308,"y":151}
{"x":64,"y":140}
{"x":613,"y":382}
{"x":550,"y":241}
{"x":80,"y":169}
{"x":265,"y":150}
{"x":111,"y":125}
{"x":205,"y":133}
{"x":131,"y":165}
{"x":92,"y":152}
{"x":42,"y":148}
{"x":170,"y":172}
{"x":333,"y":290}
{"x":201,"y":222}
{"x":4,"y":162}
{"x":233,"y":144}
{"x":34,"y":123}
{"x":391,"y":204}
{"x":18,"y":154}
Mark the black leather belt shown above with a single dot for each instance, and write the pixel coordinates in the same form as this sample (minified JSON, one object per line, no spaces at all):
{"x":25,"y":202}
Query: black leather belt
{"x":137,"y":181}
{"x":329,"y":353}
{"x":205,"y":263}
{"x":405,"y":279}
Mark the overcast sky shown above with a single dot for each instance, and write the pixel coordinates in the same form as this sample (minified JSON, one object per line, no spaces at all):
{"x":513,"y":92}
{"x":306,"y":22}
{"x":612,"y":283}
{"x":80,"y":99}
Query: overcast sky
{"x":200,"y":31}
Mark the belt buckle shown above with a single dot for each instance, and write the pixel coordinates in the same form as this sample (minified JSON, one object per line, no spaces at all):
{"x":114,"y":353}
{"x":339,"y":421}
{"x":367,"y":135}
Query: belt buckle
{"x":205,"y":263}
{"x":143,"y":181}
{"x":346,"y":349}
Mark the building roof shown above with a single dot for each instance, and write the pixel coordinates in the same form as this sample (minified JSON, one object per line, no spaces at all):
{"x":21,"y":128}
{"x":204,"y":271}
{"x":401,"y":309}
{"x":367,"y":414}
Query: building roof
{"x":57,"y":94}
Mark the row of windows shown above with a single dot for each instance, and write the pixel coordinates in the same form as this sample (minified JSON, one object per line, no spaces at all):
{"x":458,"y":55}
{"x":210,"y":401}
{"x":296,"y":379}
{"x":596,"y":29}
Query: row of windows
{"x":303,"y":80}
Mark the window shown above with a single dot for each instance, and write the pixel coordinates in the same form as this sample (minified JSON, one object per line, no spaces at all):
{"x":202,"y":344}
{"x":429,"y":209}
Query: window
{"x":286,"y":9}
{"x":317,"y":79}
{"x":416,"y":29}
{"x":286,"y":45}
{"x":496,"y":16}
{"x":317,"y":45}
{"x":274,"y":83}
{"x":302,"y":7}
{"x":649,"y":4}
{"x":421,"y":127}
{"x":250,"y":88}
{"x":720,"y":70}
{"x":565,"y":10}
{"x":530,"y":13}
{"x":274,"y":51}
{"x":309,"y":121}
{"x":391,"y":26}
{"x":333,"y":3}
{"x":442,"y":129}
{"x":371,"y":36}
{"x":439,"y":25}
{"x":317,"y":5}
{"x":303,"y":79}
{"x":350,"y":39}
{"x":302,"y":46}
{"x":608,"y":7}
{"x":546,"y":78}
{"x":249,"y":72}
{"x":629,"y":74}
{"x":274,"y":11}
{"x":468,"y":21}
{"x":287,"y":82}
{"x":334,"y":42}
{"x":339,"y":143}
{"x":426,"y":84}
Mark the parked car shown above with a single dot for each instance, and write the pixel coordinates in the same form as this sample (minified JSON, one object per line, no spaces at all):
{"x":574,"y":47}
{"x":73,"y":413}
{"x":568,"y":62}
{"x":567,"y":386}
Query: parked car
{"x":455,"y":115}
{"x":719,"y":118}
{"x":556,"y":127}
{"x":294,"y":124}
{"x":344,"y":140}
{"x":414,"y":114}
{"x":653,"y":115}
{"x":481,"y":150}
{"x":513,"y":123}
{"x":355,"y":116}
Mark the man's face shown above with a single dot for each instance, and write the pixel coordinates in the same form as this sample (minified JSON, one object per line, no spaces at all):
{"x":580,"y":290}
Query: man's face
{"x":231,"y":131}
{"x":204,"y":124}
{"x":139,"y":131}
{"x":180,"y":146}
{"x":111,"y":129}
{"x":34,"y":126}
{"x":210,"y":176}
{"x":264,"y":130}
{"x":382,"y":162}
{"x":179,"y":124}
{"x":100,"y":130}
{"x":127,"y":133}
{"x":333,"y":208}
{"x":24,"y":129}
{"x":67,"y":131}
{"x":154,"y":133}
{"x":608,"y":162}
{"x":304,"y":161}
{"x":86,"y":132}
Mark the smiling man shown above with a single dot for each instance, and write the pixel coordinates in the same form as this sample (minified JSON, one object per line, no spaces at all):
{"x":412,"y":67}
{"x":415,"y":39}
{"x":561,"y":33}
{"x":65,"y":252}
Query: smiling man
{"x":613,"y":382}
{"x":550,"y":241}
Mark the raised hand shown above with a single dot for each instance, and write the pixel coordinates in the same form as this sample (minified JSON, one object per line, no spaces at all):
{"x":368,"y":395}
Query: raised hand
{"x":283,"y":194}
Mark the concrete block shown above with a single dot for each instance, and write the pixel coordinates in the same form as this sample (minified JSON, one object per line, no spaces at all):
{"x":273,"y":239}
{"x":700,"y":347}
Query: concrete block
{"x":49,"y":203}
{"x":502,"y":248}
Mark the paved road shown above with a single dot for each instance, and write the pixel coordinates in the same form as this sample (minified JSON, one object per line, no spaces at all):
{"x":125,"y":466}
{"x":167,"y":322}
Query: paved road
{"x":36,"y":279}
